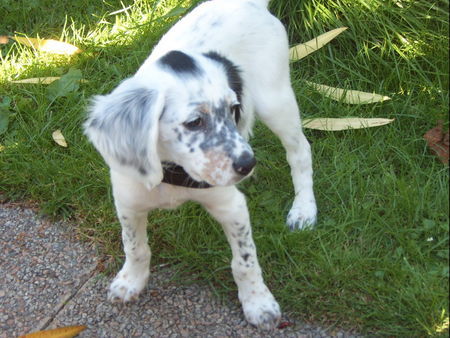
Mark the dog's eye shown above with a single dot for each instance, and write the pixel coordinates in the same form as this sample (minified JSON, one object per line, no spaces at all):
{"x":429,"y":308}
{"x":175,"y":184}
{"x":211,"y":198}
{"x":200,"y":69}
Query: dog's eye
{"x":194,"y":124}
{"x":235,"y":108}
{"x":236,"y":111}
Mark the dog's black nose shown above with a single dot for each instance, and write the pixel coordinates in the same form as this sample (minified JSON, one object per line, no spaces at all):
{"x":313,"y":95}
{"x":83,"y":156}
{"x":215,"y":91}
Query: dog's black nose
{"x":244,"y":164}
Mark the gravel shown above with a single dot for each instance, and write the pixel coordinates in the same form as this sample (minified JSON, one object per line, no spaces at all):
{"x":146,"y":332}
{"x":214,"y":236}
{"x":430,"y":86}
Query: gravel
{"x":41,"y":267}
{"x":49,"y":280}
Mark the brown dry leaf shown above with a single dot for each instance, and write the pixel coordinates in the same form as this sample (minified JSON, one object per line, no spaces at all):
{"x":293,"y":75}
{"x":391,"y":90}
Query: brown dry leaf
{"x":438,"y":142}
{"x":63,"y":332}
{"x":304,"y":49}
{"x":58,"y":137}
{"x":336,"y":124}
{"x":49,"y":46}
{"x":348,"y":96}
{"x":38,"y":80}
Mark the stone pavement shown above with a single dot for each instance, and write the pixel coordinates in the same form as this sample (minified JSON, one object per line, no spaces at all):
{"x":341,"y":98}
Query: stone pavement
{"x":50,"y":279}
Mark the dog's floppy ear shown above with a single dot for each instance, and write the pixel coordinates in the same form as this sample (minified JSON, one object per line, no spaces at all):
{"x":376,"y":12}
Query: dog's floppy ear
{"x":123,"y":126}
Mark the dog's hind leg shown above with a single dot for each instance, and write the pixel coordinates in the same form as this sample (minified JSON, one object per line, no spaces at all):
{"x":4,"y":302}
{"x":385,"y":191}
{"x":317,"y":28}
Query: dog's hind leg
{"x":228,"y":206}
{"x":278,"y":109}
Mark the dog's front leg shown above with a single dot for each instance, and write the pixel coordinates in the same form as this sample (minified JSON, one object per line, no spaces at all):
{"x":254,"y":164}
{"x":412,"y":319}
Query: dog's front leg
{"x":229,"y":207}
{"x":132,"y":278}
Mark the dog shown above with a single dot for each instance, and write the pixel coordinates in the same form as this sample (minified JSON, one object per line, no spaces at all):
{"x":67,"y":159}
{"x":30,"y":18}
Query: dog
{"x":178,"y":130}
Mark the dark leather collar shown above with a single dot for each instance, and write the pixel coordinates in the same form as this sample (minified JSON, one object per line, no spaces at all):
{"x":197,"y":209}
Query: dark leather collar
{"x":175,"y":174}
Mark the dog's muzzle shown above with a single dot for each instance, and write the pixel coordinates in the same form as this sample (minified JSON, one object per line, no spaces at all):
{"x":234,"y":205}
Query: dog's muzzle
{"x":244,"y":164}
{"x":175,"y":174}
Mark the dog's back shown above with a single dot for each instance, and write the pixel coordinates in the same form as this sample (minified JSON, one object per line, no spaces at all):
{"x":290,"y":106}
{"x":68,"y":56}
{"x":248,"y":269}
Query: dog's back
{"x":237,"y":29}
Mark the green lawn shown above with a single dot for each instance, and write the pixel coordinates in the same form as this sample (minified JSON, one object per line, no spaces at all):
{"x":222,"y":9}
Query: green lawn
{"x":378,"y":258}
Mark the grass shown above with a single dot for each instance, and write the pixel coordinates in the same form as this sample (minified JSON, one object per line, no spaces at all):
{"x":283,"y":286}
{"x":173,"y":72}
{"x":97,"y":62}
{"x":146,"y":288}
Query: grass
{"x":378,"y":259}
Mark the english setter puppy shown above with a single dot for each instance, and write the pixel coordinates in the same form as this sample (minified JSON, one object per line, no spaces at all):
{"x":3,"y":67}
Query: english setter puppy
{"x":177,"y":130}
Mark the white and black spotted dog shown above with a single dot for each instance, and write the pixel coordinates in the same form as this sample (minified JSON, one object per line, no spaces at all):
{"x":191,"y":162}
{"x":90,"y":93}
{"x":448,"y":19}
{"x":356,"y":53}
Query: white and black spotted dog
{"x":177,"y":130}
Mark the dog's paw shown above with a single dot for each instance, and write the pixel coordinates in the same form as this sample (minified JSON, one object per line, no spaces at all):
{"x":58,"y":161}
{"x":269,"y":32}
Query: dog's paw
{"x":262,"y":311}
{"x":126,"y":288}
{"x":302,"y":215}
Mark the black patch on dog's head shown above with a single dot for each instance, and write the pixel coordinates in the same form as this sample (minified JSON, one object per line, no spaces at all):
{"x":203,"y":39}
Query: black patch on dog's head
{"x":233,"y":75}
{"x":232,"y":71}
{"x":180,"y":62}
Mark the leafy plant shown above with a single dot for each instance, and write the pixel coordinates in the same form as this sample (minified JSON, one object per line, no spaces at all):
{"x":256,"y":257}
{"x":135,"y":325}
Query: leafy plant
{"x":5,"y":114}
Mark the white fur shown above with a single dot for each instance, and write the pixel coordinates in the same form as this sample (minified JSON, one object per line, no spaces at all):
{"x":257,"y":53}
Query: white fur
{"x":142,"y":122}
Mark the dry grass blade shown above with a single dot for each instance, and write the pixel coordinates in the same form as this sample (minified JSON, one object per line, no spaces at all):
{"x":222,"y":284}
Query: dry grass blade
{"x":304,"y":49}
{"x":63,"y":332}
{"x":49,"y":46}
{"x":348,"y":96}
{"x":58,"y":137}
{"x":38,"y":80}
{"x":42,"y":80}
{"x":336,"y":124}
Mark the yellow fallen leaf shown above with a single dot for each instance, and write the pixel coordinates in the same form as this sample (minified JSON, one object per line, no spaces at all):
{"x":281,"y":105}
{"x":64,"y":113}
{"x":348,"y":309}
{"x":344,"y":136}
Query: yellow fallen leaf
{"x":42,"y":80}
{"x":49,"y":46}
{"x":38,"y":80}
{"x":348,"y":96}
{"x":304,"y":49}
{"x":59,"y":138}
{"x":335,"y":124}
{"x":63,"y":332}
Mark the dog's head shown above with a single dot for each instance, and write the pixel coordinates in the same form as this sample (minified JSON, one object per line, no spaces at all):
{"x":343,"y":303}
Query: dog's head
{"x":180,"y":108}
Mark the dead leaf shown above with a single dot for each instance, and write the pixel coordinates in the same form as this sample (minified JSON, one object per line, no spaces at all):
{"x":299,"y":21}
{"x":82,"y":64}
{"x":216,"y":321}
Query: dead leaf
{"x":304,"y":49}
{"x":58,"y":137}
{"x":336,"y":124}
{"x":63,"y":332}
{"x":348,"y":96}
{"x":4,"y":39}
{"x":42,"y":80}
{"x":438,"y":142}
{"x":49,"y":46}
{"x":38,"y":80}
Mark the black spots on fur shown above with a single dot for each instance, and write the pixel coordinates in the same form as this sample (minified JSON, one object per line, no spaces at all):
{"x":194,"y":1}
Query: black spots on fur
{"x":180,"y":63}
{"x":179,"y":134}
{"x":142,"y":171}
{"x":245,"y":256}
{"x":233,"y":74}
{"x":244,"y":244}
{"x":94,"y":123}
{"x":241,"y":229}
{"x":216,"y":24}
{"x":220,"y":131}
